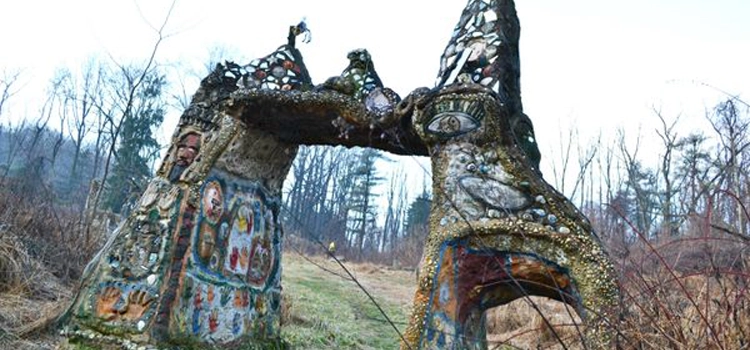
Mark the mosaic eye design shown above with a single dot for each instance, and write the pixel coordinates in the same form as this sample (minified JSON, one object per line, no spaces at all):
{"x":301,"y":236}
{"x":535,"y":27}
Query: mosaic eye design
{"x":448,"y":124}
{"x":454,"y":116}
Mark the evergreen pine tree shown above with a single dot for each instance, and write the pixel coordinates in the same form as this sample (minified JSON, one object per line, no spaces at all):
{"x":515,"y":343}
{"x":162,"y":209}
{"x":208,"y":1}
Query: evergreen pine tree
{"x":417,"y":218}
{"x":362,"y":209}
{"x":137,"y":146}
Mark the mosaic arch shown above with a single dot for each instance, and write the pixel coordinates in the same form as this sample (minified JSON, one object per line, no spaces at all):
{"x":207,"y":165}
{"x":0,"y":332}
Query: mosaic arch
{"x":198,"y":261}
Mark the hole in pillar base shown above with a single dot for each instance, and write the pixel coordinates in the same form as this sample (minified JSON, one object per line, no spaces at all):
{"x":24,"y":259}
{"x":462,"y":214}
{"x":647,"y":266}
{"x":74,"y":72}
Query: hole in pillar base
{"x":518,"y":325}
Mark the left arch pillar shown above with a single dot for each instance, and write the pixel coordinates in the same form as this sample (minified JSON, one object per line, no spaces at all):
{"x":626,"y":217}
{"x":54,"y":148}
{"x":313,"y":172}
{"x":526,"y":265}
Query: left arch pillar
{"x":198,"y":260}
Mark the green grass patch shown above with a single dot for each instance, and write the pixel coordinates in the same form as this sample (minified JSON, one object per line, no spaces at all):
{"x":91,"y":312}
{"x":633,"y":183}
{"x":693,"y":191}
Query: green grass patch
{"x":324,"y":311}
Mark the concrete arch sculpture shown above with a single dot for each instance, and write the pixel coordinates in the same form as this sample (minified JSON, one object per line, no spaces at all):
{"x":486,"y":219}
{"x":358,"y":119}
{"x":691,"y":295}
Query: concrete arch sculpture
{"x":199,"y":259}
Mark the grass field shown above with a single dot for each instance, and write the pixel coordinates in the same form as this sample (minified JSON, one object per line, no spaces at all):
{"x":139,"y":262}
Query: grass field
{"x":325,"y":311}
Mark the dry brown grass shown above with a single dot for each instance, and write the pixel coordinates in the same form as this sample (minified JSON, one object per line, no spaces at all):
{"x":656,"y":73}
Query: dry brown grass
{"x":31,"y":297}
{"x":687,"y":293}
{"x":42,"y":255}
{"x":682,"y":293}
{"x":519,"y":324}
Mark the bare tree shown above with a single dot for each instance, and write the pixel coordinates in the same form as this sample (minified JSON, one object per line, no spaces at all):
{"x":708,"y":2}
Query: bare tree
{"x":187,"y":77}
{"x":585,"y":156}
{"x":609,"y":183}
{"x":640,"y":185}
{"x":668,"y":136}
{"x":731,"y":129}
{"x":81,"y":96}
{"x":395,"y":199}
{"x":8,"y":80}
{"x":35,"y":150}
{"x":116,"y":110}
{"x":319,"y":192}
{"x":559,"y":171}
{"x":562,"y":163}
{"x":17,"y":139}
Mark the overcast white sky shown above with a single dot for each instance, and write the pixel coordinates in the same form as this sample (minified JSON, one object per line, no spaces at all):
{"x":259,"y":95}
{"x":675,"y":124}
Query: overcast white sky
{"x":599,"y":65}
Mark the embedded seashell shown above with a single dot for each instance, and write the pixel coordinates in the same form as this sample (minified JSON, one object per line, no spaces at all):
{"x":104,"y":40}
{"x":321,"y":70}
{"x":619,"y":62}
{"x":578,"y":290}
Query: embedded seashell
{"x":540,"y":199}
{"x":552,"y":219}
{"x":464,"y":78}
{"x":151,"y":279}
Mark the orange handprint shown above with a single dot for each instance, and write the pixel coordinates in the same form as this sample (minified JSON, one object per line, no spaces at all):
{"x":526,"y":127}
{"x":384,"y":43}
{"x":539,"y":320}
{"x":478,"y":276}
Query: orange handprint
{"x":213,"y":321}
{"x":138,"y":303}
{"x":106,"y":303}
{"x":238,"y":298}
{"x":210,"y":294}
{"x":244,"y":258}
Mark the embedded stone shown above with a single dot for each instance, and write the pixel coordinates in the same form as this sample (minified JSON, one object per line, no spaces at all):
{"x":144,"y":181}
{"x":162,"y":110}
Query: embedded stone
{"x":552,"y":219}
{"x":376,"y":101}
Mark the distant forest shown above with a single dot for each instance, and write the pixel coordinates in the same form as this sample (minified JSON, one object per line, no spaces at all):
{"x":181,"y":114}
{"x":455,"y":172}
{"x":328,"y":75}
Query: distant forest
{"x":98,"y":123}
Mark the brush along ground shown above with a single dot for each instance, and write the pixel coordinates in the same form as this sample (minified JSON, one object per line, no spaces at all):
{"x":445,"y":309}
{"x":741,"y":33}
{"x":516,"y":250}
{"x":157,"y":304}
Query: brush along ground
{"x":519,"y":325}
{"x":30,"y":296}
{"x":324,"y":311}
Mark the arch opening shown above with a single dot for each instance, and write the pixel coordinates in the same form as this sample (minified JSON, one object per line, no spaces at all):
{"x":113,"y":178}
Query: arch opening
{"x":518,"y":324}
